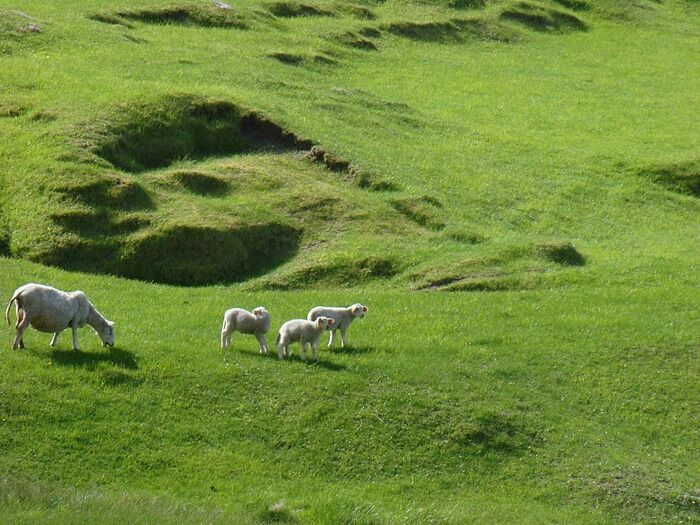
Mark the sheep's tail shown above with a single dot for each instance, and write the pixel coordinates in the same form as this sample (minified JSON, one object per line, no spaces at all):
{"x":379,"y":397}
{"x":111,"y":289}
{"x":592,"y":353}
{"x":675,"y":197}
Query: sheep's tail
{"x":7,"y":310}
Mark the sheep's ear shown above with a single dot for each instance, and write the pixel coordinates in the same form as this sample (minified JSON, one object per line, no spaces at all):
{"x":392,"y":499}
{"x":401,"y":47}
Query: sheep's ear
{"x":365,"y":309}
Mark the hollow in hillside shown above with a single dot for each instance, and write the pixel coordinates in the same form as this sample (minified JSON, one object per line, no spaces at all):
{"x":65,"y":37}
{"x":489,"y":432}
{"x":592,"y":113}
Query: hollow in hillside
{"x":143,"y":136}
{"x":191,"y":256}
{"x":188,"y":14}
{"x":681,"y":177}
{"x":543,"y":18}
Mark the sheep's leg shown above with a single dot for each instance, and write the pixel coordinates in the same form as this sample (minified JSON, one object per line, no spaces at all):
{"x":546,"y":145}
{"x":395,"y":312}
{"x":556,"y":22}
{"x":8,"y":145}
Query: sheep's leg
{"x":22,"y":324}
{"x":54,"y":339}
{"x":330,"y":341}
{"x":263,"y":343}
{"x":302,"y":349}
{"x":281,"y":350}
{"x":314,"y":346}
{"x":74,"y":327}
{"x":343,"y":336}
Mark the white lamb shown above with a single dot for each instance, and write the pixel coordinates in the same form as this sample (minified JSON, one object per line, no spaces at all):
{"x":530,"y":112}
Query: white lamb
{"x":256,"y":322}
{"x":303,"y":331}
{"x":342,"y":317}
{"x":50,"y":310}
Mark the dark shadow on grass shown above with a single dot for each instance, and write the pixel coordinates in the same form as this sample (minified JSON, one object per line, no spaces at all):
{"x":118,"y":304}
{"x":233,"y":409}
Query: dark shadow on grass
{"x":352,"y":349}
{"x":90,"y":360}
{"x":296,"y":358}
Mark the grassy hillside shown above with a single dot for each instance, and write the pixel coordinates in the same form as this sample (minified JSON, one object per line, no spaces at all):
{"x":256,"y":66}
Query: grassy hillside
{"x":573,"y":405}
{"x":176,"y":158}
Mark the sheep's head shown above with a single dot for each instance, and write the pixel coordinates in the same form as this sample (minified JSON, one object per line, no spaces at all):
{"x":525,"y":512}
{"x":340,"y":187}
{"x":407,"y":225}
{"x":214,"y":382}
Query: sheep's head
{"x":106,"y":333}
{"x":358,"y":310}
{"x":325,"y":323}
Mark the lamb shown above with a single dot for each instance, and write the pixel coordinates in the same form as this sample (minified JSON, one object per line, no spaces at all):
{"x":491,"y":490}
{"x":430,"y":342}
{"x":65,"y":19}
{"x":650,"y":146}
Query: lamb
{"x":50,"y":310}
{"x":303,"y":331}
{"x":256,"y":322}
{"x":342,"y":317}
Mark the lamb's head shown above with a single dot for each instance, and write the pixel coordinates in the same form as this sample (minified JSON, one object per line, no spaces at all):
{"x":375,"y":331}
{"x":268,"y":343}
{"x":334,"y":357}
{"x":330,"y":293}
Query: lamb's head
{"x":261,"y":312}
{"x":358,"y":310}
{"x":262,"y":319}
{"x":106,"y":333}
{"x":324,"y":323}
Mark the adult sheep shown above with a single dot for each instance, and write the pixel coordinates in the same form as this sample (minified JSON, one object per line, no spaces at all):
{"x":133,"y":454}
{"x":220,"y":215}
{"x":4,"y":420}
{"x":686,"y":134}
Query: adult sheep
{"x":342,"y":316}
{"x":49,"y":310}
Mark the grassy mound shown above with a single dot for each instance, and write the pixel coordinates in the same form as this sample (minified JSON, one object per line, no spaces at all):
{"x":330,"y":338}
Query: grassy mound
{"x":340,"y":272}
{"x":16,"y":27}
{"x":514,"y":268}
{"x":105,"y":191}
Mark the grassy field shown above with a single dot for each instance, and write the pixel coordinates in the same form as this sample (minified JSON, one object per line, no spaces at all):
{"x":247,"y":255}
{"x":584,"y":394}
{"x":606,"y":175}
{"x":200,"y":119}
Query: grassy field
{"x":510,"y":186}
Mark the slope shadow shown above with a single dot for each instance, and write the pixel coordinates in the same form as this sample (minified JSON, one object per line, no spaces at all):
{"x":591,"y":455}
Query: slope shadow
{"x":90,"y":360}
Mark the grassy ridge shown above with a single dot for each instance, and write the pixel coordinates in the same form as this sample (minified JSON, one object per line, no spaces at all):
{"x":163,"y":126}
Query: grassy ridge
{"x":553,"y":400}
{"x":539,"y":139}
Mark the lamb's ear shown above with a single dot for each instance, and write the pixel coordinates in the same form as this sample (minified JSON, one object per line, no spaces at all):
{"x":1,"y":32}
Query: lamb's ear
{"x":365,"y":309}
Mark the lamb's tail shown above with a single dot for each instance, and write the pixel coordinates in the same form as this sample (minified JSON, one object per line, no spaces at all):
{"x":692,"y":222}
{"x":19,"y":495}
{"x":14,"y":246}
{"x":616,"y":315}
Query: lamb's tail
{"x":7,"y":310}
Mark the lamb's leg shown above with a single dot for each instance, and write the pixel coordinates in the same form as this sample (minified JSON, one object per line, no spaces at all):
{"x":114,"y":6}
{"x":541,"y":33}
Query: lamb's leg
{"x":54,"y":339}
{"x":302,"y":349}
{"x":344,"y":336}
{"x":281,"y":350}
{"x":263,"y":343}
{"x":330,"y":341}
{"x":314,"y":346}
{"x":225,"y":339}
{"x":74,"y":327}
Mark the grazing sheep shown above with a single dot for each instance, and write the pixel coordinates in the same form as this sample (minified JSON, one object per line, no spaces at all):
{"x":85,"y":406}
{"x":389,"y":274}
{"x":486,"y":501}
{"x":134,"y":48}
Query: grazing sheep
{"x":256,"y":322}
{"x":51,"y":310}
{"x":303,"y":331}
{"x":342,"y":317}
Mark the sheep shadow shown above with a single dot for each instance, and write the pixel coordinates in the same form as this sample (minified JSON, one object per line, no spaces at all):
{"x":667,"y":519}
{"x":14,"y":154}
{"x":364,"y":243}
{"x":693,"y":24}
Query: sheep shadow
{"x":296,"y":358}
{"x":90,"y":360}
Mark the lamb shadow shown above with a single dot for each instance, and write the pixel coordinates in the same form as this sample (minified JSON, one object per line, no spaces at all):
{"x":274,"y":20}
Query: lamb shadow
{"x":116,"y":356}
{"x":296,"y":358}
{"x":351,"y":350}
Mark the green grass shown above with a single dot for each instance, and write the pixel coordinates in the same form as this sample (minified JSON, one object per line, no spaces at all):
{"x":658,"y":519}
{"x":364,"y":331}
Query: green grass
{"x":532,"y":406}
{"x":538,"y":160}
